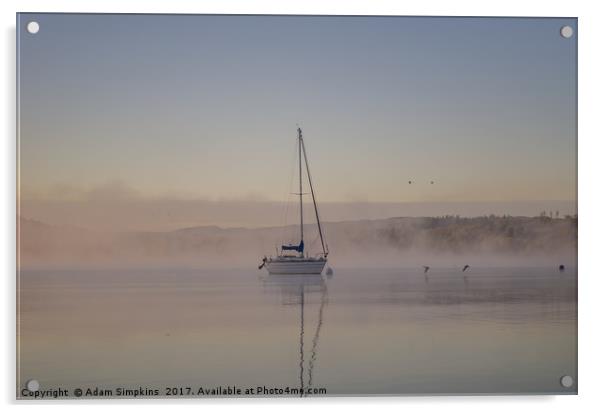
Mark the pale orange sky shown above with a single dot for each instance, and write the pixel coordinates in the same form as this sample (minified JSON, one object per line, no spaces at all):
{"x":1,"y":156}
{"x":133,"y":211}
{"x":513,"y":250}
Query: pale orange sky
{"x":208,"y":110}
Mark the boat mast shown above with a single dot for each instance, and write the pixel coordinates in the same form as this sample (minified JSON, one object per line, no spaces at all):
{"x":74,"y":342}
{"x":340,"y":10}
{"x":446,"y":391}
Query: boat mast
{"x":300,"y":138}
{"x":313,"y":195}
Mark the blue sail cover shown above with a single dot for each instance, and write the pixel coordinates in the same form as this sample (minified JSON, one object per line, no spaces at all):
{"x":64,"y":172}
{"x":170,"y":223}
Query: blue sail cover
{"x":298,"y":248}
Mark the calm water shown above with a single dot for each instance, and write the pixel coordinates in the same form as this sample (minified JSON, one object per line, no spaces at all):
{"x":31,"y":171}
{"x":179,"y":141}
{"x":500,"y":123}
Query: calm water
{"x":358,"y":332}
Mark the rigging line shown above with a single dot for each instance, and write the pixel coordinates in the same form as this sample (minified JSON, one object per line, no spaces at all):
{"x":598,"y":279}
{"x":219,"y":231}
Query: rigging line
{"x":313,"y":197}
{"x":314,"y":347}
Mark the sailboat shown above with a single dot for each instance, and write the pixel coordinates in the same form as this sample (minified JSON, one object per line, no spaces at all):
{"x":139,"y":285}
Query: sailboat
{"x":292,"y":258}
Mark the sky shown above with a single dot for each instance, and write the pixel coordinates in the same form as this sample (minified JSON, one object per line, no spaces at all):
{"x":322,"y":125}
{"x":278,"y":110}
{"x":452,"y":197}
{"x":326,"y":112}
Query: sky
{"x":206,"y":108}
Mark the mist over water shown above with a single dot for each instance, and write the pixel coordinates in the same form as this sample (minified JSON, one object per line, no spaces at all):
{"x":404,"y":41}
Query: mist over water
{"x":416,"y":305}
{"x":387,"y":243}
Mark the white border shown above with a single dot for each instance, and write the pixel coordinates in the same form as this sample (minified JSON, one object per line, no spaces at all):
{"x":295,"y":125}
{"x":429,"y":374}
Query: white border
{"x":590,"y":70}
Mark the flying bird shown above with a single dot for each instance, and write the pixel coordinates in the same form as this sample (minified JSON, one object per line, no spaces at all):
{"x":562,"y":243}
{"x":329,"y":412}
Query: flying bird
{"x":465,"y":267}
{"x":561,"y":268}
{"x":426,"y":268}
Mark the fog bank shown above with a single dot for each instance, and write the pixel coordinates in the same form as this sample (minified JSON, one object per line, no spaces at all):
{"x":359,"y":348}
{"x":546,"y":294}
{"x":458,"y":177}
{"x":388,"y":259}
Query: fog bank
{"x":393,"y":242}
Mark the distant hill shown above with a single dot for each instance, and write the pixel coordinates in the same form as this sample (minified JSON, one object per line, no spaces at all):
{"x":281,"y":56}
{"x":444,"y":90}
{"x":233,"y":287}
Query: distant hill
{"x":370,"y":242}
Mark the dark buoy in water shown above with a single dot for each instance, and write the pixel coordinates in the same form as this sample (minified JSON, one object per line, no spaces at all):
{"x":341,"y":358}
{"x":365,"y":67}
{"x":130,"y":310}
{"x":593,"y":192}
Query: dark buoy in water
{"x":329,"y":271}
{"x":465,"y":268}
{"x":561,"y":268}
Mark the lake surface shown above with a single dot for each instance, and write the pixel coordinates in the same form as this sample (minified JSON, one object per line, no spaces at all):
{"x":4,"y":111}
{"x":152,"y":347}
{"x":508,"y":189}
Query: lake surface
{"x":367,"y":332}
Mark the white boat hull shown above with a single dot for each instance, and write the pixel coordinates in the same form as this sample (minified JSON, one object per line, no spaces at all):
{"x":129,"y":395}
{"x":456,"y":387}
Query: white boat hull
{"x":295,"y":266}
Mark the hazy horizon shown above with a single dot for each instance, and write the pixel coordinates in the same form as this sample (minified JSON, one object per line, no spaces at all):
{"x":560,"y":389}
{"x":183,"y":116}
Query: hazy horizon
{"x":165,"y":214}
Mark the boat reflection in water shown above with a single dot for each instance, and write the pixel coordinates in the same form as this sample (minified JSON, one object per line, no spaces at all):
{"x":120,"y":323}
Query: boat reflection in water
{"x":301,"y":290}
